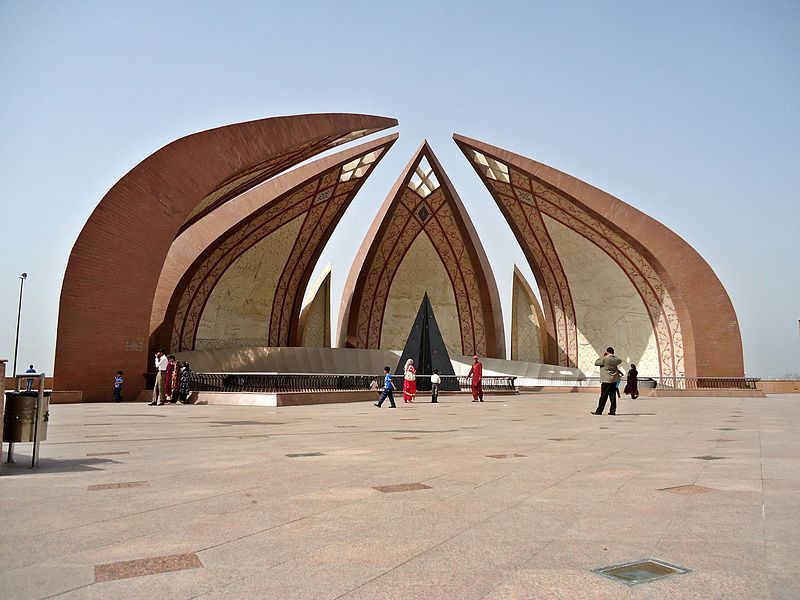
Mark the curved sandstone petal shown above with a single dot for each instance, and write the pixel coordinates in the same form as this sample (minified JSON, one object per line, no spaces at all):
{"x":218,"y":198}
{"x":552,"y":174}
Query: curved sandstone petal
{"x":115,"y":264}
{"x":610,"y":275}
{"x":422,"y":240}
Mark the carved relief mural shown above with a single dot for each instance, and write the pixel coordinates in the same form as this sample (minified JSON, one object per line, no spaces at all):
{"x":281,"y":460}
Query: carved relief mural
{"x":528,"y":333}
{"x":315,"y":317}
{"x":256,"y":272}
{"x":239,"y":307}
{"x":609,"y":310}
{"x":550,"y":227}
{"x":421,"y":271}
{"x":132,"y":229}
{"x":422,"y":203}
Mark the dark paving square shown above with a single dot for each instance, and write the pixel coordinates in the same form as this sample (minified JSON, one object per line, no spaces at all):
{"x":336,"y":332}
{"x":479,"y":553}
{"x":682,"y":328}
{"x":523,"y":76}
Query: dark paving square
{"x":401,"y":487}
{"x":500,"y":456}
{"x":146,"y":566}
{"x":709,"y":457}
{"x":106,"y":453}
{"x":116,"y":486}
{"x":302,"y":454}
{"x":688,"y":489}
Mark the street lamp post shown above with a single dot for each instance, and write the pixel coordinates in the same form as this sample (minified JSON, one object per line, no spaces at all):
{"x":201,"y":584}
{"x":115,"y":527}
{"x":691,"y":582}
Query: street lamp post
{"x":22,"y":279}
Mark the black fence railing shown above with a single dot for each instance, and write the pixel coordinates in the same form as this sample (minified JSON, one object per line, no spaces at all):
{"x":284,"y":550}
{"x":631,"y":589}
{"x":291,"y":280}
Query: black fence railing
{"x":707,"y":383}
{"x":267,"y":383}
{"x":671,"y":383}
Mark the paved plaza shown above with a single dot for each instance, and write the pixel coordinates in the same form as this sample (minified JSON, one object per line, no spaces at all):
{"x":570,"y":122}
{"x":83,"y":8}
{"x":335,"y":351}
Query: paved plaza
{"x":518,"y":497}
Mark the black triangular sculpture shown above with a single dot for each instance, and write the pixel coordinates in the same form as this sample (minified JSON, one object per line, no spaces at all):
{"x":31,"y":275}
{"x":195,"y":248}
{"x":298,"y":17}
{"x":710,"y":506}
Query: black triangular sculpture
{"x":426,"y":347}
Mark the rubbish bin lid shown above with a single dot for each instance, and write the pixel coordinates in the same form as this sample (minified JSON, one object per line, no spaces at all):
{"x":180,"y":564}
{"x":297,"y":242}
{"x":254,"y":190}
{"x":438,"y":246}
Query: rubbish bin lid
{"x":32,"y":393}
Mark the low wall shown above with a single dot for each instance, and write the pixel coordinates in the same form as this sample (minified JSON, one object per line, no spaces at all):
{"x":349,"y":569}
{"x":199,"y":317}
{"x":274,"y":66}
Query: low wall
{"x":779,"y":386}
{"x":285,"y":398}
{"x":48,"y":383}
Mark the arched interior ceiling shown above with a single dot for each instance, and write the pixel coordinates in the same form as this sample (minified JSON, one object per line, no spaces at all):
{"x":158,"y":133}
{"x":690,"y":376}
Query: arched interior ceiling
{"x":257,"y":270}
{"x":528,"y":330}
{"x":112,"y":273}
{"x":422,"y":202}
{"x":420,"y":271}
{"x":315,"y":316}
{"x":609,"y":310}
{"x":560,"y":222}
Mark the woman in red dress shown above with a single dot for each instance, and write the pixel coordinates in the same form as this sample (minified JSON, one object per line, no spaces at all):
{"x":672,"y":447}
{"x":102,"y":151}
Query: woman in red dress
{"x":409,"y":382}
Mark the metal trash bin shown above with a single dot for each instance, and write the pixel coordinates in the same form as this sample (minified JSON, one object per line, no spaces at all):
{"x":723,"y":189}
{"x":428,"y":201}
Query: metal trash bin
{"x":19,"y":418}
{"x":26,"y":415}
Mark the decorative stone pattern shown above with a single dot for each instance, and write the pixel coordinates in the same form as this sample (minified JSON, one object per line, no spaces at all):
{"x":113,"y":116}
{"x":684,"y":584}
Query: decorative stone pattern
{"x":315,"y":318}
{"x":549,"y":226}
{"x":237,"y":310}
{"x":153,"y":200}
{"x":528,"y":331}
{"x":421,"y":271}
{"x":255,"y":175}
{"x":608,"y":309}
{"x":246,"y":290}
{"x":422,"y":242}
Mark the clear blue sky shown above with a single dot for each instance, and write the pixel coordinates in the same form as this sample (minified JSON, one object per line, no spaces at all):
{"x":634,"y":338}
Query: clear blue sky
{"x":688,"y":110}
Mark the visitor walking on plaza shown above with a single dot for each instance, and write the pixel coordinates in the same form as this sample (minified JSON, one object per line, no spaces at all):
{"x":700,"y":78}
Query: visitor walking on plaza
{"x":118,"y":383}
{"x":158,"y":388}
{"x":632,"y":384}
{"x":476,"y":372}
{"x":609,"y":377}
{"x":435,"y":381}
{"x":409,"y":381}
{"x":388,"y":386}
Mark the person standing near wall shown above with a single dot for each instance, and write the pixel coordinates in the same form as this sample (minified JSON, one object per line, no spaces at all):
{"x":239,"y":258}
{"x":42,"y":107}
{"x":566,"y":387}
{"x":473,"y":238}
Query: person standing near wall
{"x":158,"y":389}
{"x":118,"y":383}
{"x":435,"y":381}
{"x":609,"y":377}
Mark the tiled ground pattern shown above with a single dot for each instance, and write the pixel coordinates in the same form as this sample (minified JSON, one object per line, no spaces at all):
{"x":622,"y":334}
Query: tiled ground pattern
{"x":532,"y":525}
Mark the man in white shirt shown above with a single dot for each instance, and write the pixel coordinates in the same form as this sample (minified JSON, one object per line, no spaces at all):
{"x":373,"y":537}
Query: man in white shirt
{"x":158,"y":388}
{"x":435,"y":381}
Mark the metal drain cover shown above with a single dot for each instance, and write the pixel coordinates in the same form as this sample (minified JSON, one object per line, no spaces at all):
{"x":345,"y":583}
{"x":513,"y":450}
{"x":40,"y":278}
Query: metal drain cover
{"x":640,"y":571}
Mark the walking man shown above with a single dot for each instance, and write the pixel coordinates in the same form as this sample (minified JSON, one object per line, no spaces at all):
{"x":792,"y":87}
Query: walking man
{"x":476,"y":372}
{"x":609,"y":377}
{"x":388,"y":386}
{"x":158,"y":388}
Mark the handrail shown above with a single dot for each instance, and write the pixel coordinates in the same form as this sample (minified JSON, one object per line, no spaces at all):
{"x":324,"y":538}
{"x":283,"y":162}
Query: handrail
{"x":319,"y":382}
{"x":673,"y":383}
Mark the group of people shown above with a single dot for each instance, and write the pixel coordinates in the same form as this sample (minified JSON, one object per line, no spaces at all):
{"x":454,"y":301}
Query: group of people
{"x":610,"y":377}
{"x":410,"y":384}
{"x":172,"y":380}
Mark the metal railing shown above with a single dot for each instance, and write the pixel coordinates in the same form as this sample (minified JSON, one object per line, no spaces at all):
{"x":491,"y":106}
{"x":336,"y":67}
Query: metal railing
{"x":707,"y":383}
{"x":270,"y":383}
{"x":672,"y":383}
